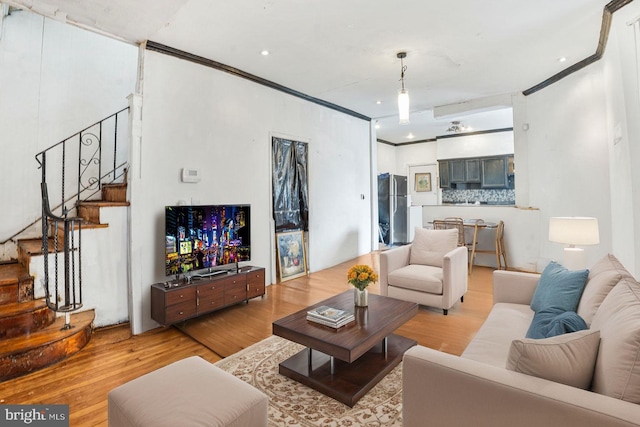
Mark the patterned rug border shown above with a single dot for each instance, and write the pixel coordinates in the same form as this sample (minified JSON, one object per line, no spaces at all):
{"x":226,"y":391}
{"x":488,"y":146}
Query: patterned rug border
{"x":294,"y":404}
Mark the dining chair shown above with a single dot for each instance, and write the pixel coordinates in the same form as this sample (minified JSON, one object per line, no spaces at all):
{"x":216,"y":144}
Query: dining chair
{"x":449,"y":223}
{"x":498,"y":249}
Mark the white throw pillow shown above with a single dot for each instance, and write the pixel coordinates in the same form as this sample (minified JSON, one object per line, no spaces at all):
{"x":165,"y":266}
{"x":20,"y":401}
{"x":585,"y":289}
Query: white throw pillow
{"x":430,"y":246}
{"x":567,"y":359}
{"x":617,"y":372}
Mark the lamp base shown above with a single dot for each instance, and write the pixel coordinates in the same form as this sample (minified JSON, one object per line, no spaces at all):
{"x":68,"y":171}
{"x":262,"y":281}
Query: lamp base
{"x":574,"y":259}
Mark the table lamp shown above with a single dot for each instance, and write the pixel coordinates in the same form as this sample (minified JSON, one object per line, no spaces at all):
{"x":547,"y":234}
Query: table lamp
{"x":574,"y":231}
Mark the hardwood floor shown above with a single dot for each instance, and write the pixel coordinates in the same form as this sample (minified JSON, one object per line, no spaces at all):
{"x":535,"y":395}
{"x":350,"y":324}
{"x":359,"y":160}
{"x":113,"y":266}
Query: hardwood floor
{"x":114,"y":356}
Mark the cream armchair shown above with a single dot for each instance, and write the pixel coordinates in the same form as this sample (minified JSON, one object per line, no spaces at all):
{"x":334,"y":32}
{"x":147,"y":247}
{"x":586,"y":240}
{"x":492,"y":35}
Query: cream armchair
{"x":431,"y":271}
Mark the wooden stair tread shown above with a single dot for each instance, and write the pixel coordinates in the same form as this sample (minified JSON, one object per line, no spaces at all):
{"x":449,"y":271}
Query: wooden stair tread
{"x":34,"y":246}
{"x":10,"y":273}
{"x":85,"y":225}
{"x":48,"y":335}
{"x":16,"y":308}
{"x":102,"y":203}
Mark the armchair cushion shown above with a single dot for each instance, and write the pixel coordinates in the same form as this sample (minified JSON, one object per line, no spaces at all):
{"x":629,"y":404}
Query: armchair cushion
{"x":430,"y":246}
{"x":567,"y":359}
{"x":417,"y":277}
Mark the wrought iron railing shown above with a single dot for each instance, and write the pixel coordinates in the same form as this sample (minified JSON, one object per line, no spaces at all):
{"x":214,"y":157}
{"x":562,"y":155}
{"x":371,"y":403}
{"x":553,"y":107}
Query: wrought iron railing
{"x":78,"y":165}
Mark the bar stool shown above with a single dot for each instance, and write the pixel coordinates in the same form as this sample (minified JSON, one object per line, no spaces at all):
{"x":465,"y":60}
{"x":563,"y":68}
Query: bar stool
{"x":499,"y":248}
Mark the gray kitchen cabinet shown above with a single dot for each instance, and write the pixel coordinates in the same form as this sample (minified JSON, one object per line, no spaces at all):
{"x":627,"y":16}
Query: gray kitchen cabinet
{"x":472,"y":169}
{"x":494,"y":172}
{"x":445,"y":177}
{"x":457,"y":168}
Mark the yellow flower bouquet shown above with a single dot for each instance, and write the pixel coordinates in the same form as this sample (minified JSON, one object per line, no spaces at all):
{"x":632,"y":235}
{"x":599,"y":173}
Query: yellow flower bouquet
{"x":361,"y":276}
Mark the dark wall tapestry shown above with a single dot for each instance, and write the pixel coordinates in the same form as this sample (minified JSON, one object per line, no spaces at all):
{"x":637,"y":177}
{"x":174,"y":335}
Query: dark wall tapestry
{"x":290,"y":191}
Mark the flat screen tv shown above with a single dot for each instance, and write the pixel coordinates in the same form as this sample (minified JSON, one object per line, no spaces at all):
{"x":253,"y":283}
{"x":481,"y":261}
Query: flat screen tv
{"x":206,"y":238}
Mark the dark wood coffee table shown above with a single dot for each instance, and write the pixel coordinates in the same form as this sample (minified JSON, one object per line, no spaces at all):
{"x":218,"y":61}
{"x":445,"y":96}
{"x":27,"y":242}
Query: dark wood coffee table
{"x":346,"y":363}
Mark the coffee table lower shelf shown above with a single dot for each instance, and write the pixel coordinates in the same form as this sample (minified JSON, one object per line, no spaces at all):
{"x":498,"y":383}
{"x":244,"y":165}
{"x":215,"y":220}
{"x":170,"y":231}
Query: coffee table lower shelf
{"x":349,"y":381}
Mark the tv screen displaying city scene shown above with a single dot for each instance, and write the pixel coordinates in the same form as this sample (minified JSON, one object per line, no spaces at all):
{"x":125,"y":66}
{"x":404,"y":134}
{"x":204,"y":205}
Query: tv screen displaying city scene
{"x":206,"y":237}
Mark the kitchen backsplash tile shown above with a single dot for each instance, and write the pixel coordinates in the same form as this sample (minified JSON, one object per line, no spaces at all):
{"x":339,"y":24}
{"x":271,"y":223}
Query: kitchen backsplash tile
{"x":491,"y":197}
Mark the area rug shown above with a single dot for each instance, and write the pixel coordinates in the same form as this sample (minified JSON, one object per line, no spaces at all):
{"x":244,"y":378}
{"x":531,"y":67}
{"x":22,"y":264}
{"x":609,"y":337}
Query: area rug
{"x":294,"y":404}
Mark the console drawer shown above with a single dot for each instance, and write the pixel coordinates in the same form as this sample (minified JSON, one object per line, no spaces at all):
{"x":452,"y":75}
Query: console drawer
{"x":210,"y":290}
{"x":235,"y":292}
{"x":210,"y":299}
{"x":255,"y":283}
{"x":180,"y":311}
{"x":179,"y":295}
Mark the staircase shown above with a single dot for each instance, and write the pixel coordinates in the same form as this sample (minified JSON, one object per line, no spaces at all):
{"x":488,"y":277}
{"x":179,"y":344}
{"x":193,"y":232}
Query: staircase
{"x":37,"y":332}
{"x":31,"y":335}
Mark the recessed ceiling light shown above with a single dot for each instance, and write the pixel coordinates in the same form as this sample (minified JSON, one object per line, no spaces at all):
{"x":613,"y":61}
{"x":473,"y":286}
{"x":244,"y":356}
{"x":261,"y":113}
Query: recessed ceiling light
{"x":265,"y":52}
{"x":377,"y":126}
{"x":378,"y":102}
{"x":562,"y":59}
{"x":410,"y":136}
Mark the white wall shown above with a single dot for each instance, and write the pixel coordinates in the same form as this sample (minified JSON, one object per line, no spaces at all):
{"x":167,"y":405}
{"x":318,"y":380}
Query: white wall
{"x":56,"y":80}
{"x":480,"y":145}
{"x":387,"y":158}
{"x":569,"y":171}
{"x":197,"y":117}
{"x":421,"y":158}
{"x":621,"y":71}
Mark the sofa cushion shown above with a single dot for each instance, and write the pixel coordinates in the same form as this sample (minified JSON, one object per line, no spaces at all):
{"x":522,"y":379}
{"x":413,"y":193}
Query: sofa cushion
{"x":417,"y":277}
{"x":603,"y":276}
{"x":505,"y":323}
{"x":430,"y":246}
{"x":559,"y":288}
{"x":617,"y":372}
{"x":554,"y":321}
{"x":568,"y":359}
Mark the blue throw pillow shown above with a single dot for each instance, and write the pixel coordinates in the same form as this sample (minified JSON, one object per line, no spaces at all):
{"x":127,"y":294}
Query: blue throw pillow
{"x":554,"y":321}
{"x":559,"y":287}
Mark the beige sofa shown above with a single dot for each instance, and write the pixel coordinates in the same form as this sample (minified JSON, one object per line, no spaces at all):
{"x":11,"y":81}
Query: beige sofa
{"x":503,"y":379}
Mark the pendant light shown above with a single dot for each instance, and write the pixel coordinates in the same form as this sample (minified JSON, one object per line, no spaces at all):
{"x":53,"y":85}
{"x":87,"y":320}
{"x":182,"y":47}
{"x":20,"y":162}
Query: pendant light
{"x":403,"y":94}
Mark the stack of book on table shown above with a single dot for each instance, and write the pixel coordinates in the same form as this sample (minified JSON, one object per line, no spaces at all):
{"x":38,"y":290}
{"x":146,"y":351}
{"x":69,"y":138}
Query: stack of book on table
{"x":329,"y":316}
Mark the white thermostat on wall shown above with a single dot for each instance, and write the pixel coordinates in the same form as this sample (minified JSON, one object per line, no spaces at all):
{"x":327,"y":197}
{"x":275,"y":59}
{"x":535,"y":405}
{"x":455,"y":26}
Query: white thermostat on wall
{"x":190,"y":175}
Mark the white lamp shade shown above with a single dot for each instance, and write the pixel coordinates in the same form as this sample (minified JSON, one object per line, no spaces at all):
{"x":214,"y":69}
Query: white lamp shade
{"x":576,"y":231}
{"x":403,"y":106}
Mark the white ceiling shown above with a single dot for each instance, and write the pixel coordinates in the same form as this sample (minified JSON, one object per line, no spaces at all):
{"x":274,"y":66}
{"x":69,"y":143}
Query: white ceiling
{"x":344,"y":51}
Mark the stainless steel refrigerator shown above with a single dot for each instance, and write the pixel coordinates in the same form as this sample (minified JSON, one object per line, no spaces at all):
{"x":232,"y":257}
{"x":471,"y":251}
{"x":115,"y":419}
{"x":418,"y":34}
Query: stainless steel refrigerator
{"x":393,"y":209}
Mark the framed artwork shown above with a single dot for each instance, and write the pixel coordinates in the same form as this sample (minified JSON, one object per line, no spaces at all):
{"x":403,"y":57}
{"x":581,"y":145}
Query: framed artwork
{"x":291,"y":257}
{"x":423,"y":182}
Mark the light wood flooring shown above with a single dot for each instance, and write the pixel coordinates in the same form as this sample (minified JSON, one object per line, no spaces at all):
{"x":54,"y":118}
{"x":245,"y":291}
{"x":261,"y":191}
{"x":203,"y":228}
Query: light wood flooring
{"x":114,"y":356}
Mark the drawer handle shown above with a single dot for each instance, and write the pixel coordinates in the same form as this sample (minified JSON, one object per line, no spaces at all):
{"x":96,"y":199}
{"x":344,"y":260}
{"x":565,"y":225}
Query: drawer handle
{"x":213,"y":287}
{"x":181,"y":296}
{"x":181,"y":313}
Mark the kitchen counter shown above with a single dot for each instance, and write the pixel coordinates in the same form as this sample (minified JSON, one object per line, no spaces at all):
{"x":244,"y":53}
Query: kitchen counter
{"x":520,"y":224}
{"x":479,"y":204}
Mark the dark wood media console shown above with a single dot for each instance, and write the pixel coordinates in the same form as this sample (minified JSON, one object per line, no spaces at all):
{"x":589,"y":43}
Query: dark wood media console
{"x":174,"y":301}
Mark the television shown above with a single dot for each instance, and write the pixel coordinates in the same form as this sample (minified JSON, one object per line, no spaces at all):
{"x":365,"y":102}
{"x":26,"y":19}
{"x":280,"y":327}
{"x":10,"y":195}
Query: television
{"x":205,"y":239}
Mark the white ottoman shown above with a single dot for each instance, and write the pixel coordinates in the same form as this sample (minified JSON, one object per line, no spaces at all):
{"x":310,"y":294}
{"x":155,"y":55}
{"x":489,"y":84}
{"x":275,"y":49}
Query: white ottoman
{"x":190,"y":392}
